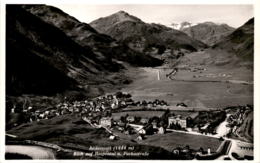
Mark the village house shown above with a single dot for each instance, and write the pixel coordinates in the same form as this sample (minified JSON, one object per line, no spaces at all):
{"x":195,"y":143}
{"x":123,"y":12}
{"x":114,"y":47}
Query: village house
{"x":129,"y":130}
{"x":147,"y":130}
{"x":183,"y":123}
{"x":109,"y":97}
{"x":122,"y":103}
{"x":181,"y":105}
{"x":137,"y":103}
{"x":203,"y":128}
{"x":121,"y":126}
{"x":177,"y":120}
{"x":144,"y":120}
{"x":161,"y":130}
{"x":150,"y":105}
{"x":105,"y":121}
{"x":140,"y":137}
{"x":130,"y":119}
{"x":129,"y":102}
{"x":142,"y":131}
{"x":112,"y":137}
{"x":143,"y":103}
{"x":114,"y":105}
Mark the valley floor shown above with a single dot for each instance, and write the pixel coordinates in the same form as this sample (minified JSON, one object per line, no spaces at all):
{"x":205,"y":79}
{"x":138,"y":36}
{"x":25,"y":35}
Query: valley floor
{"x":196,"y":84}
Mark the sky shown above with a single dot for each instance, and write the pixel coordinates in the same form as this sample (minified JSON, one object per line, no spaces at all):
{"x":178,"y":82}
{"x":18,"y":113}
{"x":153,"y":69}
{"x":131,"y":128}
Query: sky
{"x":233,"y":15}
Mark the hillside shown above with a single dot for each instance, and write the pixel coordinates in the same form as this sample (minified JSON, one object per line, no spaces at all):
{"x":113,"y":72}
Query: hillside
{"x":71,"y":132}
{"x":240,"y":42}
{"x":103,"y":46}
{"x":41,"y":59}
{"x":45,"y":56}
{"x":142,"y":36}
{"x":208,"y":32}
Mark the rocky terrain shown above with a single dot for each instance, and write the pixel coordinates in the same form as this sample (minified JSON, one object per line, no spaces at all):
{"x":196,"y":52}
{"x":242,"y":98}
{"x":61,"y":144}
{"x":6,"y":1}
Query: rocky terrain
{"x":143,"y":36}
{"x":208,"y":32}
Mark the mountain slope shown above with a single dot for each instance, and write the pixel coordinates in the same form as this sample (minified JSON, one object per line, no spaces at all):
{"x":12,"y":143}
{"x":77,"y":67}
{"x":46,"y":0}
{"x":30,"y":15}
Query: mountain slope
{"x":45,"y":56}
{"x":41,"y":59}
{"x":140,"y":35}
{"x":240,"y":42}
{"x":102,"y":45}
{"x":208,"y":32}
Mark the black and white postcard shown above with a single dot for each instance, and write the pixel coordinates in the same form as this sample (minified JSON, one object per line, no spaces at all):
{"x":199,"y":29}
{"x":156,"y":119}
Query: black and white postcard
{"x":128,"y":81}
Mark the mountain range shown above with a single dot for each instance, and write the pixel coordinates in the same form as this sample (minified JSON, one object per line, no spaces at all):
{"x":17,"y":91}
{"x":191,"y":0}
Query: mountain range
{"x":102,"y":45}
{"x":182,"y":25}
{"x":140,"y":35}
{"x":49,"y":51}
{"x":208,"y":32}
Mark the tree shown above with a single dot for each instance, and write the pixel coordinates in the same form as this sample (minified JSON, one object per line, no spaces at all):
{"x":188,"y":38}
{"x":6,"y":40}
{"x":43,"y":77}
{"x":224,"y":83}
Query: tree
{"x":161,"y":49}
{"x":119,"y":94}
{"x":189,"y":121}
{"x":201,"y":150}
{"x":165,"y":116}
{"x":123,"y":119}
{"x":137,"y":119}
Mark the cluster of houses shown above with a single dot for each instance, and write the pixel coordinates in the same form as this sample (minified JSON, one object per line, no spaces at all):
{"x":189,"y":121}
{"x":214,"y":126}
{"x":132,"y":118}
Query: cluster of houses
{"x":95,"y":108}
{"x":237,"y":119}
{"x":98,"y":111}
{"x":100,"y":106}
{"x":142,"y":126}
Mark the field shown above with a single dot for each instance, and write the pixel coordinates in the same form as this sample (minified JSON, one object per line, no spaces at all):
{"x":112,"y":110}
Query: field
{"x":173,"y":140}
{"x":185,"y":114}
{"x":63,"y":130}
{"x":143,"y":114}
{"x":149,"y":114}
{"x":213,"y":90}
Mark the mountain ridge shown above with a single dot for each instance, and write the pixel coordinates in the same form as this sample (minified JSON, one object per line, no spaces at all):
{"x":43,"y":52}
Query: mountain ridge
{"x":74,"y":60}
{"x":143,"y":34}
{"x":208,"y":32}
{"x":102,"y":45}
{"x":240,"y":42}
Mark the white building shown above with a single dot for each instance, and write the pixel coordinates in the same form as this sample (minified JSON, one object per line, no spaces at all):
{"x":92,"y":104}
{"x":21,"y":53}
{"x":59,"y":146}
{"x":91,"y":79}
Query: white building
{"x":177,"y":120}
{"x":161,"y":130}
{"x":106,"y":122}
{"x":142,"y":131}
